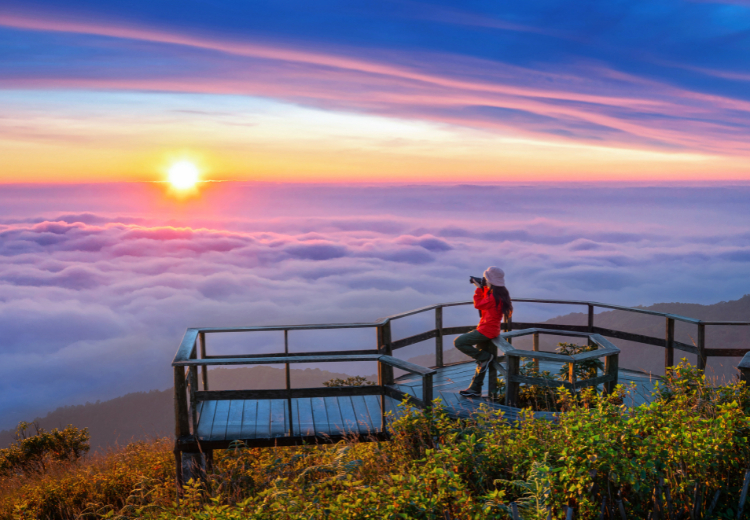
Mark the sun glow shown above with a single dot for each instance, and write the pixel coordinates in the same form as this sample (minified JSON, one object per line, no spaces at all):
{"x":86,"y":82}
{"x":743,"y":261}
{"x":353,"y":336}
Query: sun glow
{"x":183,"y":175}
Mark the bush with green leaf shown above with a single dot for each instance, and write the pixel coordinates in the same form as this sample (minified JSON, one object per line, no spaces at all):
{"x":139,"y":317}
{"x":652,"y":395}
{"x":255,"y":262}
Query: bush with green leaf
{"x":684,"y":455}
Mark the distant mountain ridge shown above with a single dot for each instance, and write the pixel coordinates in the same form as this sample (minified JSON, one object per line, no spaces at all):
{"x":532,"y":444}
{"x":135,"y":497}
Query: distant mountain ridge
{"x":141,"y":415}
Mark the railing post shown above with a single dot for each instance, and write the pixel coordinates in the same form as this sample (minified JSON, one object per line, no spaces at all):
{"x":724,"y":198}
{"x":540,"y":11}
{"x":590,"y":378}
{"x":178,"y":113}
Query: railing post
{"x":535,"y":348}
{"x":382,"y":390}
{"x":204,"y":368}
{"x":427,"y":390}
{"x":511,"y":386}
{"x":591,"y":318}
{"x":182,"y":421}
{"x":701,"y":344}
{"x":669,"y":350}
{"x":192,"y":384}
{"x":439,"y":337}
{"x":384,"y":346}
{"x":611,"y":368}
{"x":288,"y":383}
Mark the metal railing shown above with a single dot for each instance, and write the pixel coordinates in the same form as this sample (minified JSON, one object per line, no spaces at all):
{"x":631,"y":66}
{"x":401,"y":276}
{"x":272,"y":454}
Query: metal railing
{"x":192,"y":353}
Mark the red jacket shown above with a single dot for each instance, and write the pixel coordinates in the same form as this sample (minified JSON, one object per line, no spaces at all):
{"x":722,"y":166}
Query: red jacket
{"x":492,"y":313}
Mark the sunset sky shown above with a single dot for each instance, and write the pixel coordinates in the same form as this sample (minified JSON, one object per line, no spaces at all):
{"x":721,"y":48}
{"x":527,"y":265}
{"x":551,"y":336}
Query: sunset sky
{"x":375,"y":91}
{"x":372,"y":156}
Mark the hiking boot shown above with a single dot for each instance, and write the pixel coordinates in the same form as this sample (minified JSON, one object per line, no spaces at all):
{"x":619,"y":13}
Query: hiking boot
{"x":470,"y":393}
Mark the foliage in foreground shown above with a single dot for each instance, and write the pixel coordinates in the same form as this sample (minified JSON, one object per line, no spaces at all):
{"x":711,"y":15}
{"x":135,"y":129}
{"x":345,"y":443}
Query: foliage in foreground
{"x":32,"y":453}
{"x":686,"y":454}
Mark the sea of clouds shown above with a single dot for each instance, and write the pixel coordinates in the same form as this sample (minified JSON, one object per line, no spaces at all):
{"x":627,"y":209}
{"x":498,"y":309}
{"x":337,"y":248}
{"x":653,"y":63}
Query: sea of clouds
{"x":99,"y":282}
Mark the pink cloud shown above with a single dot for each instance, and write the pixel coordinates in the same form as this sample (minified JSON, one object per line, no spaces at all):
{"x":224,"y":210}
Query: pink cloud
{"x":584,"y":103}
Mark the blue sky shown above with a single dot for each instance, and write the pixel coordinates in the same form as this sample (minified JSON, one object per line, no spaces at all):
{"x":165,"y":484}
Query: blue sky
{"x":666,"y":78}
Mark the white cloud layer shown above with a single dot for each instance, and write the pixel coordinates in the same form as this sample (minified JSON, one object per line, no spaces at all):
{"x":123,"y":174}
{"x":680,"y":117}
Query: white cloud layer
{"x":93,"y":303}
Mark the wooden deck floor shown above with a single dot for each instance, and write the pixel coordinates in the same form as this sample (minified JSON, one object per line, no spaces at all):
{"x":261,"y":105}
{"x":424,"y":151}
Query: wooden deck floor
{"x":223,"y":421}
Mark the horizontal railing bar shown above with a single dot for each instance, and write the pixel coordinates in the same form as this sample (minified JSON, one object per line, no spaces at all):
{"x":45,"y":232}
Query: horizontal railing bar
{"x":411,"y":340}
{"x":294,"y":393}
{"x":405,"y":365}
{"x":255,"y":360}
{"x":725,"y":322}
{"x":564,"y":330}
{"x":449,"y":331}
{"x":300,"y":354}
{"x":609,"y":306}
{"x":727,"y":352}
{"x":270,"y":328}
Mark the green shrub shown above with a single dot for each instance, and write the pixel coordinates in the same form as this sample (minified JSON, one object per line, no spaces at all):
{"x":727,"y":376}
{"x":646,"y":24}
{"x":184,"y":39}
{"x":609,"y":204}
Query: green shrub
{"x":33,"y":453}
{"x":685,"y":453}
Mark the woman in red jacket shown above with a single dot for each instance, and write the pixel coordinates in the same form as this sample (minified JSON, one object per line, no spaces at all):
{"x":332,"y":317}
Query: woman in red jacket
{"x":493,"y":301}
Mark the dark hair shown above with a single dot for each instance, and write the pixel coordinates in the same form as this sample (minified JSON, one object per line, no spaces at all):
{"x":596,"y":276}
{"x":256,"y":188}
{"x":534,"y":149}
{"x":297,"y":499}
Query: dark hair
{"x":502,"y":295}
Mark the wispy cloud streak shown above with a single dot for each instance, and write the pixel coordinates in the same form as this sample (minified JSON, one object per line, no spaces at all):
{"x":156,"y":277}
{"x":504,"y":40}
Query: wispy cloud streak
{"x":586,"y":99}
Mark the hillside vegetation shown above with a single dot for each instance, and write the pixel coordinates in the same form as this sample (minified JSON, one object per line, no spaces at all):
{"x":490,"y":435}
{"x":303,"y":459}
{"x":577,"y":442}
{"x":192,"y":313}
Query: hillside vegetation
{"x":685,"y":455}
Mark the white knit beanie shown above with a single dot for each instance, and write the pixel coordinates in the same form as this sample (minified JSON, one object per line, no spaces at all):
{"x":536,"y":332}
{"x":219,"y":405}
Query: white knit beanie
{"x":495,"y":276}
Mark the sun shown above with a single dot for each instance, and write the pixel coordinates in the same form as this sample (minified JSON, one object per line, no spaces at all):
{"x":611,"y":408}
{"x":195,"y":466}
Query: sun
{"x":183,"y":175}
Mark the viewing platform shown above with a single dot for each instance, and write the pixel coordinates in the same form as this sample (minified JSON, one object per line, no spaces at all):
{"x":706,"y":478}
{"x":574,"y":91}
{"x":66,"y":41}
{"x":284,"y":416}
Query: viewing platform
{"x":208,"y":419}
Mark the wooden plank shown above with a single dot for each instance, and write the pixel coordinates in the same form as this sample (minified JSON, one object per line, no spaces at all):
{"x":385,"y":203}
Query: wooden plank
{"x":335,"y":421}
{"x":234,"y":420}
{"x":320,"y":415}
{"x":228,"y":395}
{"x":405,"y":365}
{"x":351,"y":424}
{"x":263,"y":420}
{"x":373,"y":407}
{"x":392,"y":406}
{"x":411,"y":340}
{"x":206,"y":421}
{"x":274,"y":360}
{"x":399,"y":395}
{"x":409,"y":390}
{"x":364,"y":421}
{"x":249,"y":420}
{"x":305,"y":422}
{"x":219,"y":429}
{"x":278,"y":418}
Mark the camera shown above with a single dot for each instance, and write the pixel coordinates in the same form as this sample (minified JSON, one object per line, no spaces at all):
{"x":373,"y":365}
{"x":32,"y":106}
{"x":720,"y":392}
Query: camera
{"x":477,"y":280}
